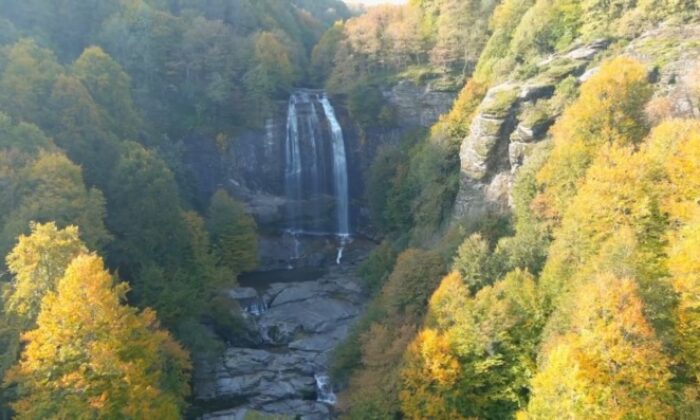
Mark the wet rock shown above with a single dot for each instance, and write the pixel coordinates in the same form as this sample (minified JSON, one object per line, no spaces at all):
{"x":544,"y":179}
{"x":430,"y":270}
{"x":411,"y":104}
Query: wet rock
{"x":281,"y":323}
{"x":242,"y":414}
{"x":306,"y":410}
{"x":321,"y":343}
{"x":240,"y":293}
{"x":304,"y":323}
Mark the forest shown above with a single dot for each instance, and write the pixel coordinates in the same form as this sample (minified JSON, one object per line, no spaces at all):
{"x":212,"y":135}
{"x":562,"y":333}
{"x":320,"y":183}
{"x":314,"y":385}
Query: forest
{"x":530,"y":253}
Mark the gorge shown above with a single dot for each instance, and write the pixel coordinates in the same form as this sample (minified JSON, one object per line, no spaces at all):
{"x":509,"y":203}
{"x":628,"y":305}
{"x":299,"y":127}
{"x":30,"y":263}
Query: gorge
{"x":294,"y":326}
{"x":308,"y":294}
{"x":304,"y":210}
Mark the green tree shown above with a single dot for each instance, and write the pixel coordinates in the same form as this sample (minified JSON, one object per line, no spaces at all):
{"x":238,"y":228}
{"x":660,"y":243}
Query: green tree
{"x":77,"y":126}
{"x":233,"y":233}
{"x":26,"y":80}
{"x":22,"y":136}
{"x":20,"y":143}
{"x":110,"y":88}
{"x":51,"y":188}
{"x":274,"y":72}
{"x":323,"y":54}
{"x":473,"y":262}
{"x":144,"y":211}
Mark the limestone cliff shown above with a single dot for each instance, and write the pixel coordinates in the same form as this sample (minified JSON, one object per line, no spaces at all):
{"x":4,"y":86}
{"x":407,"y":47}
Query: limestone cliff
{"x":514,"y":115}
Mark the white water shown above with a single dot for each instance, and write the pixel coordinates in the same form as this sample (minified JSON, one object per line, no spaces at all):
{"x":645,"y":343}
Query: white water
{"x":292,"y":168}
{"x":256,"y":307}
{"x":340,"y":169}
{"x":345,"y":240}
{"x":324,"y":390}
{"x":308,"y":161}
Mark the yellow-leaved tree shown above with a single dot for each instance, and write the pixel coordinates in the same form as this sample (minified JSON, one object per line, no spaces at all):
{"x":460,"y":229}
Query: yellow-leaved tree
{"x":37,"y":262}
{"x":91,"y":356}
{"x":610,"y":110}
{"x":680,"y":139}
{"x":476,"y":355}
{"x":608,"y":365}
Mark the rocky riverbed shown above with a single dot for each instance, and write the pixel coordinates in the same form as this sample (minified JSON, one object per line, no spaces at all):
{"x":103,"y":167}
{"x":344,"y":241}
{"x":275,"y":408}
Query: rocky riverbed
{"x":298,"y":324}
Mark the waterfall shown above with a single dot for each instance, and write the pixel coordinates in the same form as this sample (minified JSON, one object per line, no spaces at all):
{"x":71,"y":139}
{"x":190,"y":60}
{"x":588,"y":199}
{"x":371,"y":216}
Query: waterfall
{"x":292,"y":170}
{"x":340,"y":169}
{"x":324,"y":390}
{"x":309,"y":186}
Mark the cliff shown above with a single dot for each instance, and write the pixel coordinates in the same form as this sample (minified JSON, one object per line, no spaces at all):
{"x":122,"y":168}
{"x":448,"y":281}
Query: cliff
{"x":516,"y":115}
{"x":251,"y":163}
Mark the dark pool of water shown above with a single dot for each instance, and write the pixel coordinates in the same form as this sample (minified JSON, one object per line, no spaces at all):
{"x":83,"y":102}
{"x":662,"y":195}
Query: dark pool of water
{"x":261,"y":280}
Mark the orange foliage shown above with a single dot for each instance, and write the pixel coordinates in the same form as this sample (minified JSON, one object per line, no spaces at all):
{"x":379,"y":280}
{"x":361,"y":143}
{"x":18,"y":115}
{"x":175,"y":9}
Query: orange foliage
{"x":91,"y":356}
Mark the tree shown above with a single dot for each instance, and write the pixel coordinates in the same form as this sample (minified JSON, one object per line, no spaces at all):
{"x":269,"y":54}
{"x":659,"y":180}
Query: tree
{"x":20,"y":143}
{"x":274,"y":73}
{"x":373,"y":391}
{"x":685,"y":268}
{"x":674,"y":146}
{"x":610,"y":110}
{"x":67,"y":26}
{"x":52,"y":189}
{"x":144,"y":211}
{"x":324,"y":53}
{"x":26,"y":80}
{"x":77,"y":125}
{"x":473,"y":262}
{"x":23,"y":136}
{"x":110,"y":88}
{"x":416,"y":275}
{"x":92,"y":356}
{"x":429,"y":378}
{"x":609,"y":364}
{"x":462,"y":28}
{"x":37,"y":262}
{"x":475,"y":355}
{"x":233,"y":232}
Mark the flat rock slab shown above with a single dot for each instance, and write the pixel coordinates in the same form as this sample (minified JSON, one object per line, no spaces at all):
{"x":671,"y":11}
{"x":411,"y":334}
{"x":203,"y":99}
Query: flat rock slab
{"x":304,"y":322}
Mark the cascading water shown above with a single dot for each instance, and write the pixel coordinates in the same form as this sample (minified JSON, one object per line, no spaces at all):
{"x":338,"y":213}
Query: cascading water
{"x":292,"y":170}
{"x":324,"y":390}
{"x":340,"y":169}
{"x":308,"y":160}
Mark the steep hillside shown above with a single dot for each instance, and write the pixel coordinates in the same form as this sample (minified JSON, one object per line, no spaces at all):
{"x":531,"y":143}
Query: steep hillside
{"x":517,"y":191}
{"x":96,"y":99}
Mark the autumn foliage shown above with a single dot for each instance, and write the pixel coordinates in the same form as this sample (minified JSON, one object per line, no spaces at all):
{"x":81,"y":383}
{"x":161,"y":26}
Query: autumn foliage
{"x":93,"y":356}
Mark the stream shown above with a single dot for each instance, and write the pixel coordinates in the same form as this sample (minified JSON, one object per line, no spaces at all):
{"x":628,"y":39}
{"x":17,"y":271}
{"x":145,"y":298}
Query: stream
{"x":301,"y":315}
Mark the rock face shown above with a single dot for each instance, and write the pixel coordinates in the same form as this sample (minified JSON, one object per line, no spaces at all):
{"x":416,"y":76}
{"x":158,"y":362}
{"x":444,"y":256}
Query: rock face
{"x":301,"y":324}
{"x":417,"y":105}
{"x":251,"y":163}
{"x":505,"y":130}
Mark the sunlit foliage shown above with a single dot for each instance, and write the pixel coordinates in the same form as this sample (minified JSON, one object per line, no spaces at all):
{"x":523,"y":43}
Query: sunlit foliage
{"x":90,"y":355}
